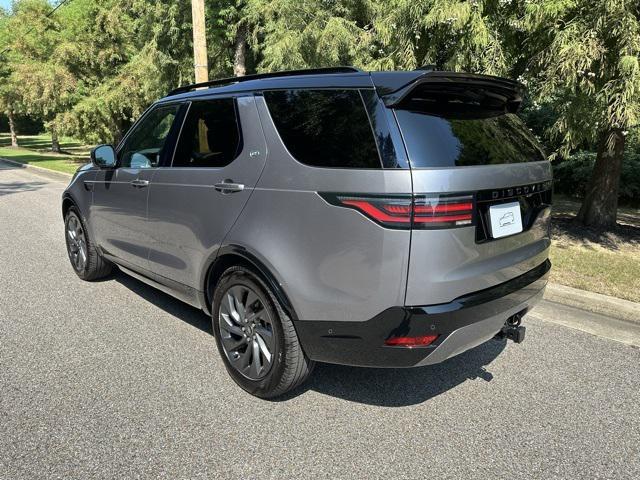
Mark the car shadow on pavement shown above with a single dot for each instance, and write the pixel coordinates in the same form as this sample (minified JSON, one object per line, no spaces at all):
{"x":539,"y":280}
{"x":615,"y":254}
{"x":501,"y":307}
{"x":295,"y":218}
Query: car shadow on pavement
{"x":399,"y":387}
{"x":388,"y":387}
{"x":186,"y":313}
{"x":7,"y":188}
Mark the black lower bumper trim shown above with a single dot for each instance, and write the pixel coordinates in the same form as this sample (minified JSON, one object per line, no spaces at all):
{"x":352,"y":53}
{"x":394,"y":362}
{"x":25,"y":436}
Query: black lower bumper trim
{"x":362,"y":343}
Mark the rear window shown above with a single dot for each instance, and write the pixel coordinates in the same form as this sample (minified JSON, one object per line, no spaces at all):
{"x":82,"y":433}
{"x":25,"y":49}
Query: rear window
{"x":324,"y":128}
{"x":210,"y":136}
{"x":438,"y":141}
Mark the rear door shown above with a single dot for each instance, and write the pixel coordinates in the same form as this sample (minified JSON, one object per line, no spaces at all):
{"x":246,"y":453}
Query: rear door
{"x":196,"y":199}
{"x":482,"y":188}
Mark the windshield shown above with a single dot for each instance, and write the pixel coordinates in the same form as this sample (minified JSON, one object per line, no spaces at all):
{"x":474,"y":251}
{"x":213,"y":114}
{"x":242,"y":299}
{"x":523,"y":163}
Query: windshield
{"x":438,"y":141}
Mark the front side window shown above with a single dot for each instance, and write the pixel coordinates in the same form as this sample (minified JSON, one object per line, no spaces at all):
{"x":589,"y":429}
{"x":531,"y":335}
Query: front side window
{"x":324,"y":128}
{"x":210,"y":136}
{"x":143,"y":147}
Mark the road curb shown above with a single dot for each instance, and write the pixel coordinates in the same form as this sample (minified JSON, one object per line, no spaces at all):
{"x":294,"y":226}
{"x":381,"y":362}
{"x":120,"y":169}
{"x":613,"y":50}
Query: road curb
{"x":65,"y":177}
{"x":594,"y":302}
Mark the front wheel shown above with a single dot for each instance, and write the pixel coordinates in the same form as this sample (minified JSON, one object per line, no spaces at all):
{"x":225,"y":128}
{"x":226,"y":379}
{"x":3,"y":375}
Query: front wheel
{"x":85,"y":259}
{"x":255,"y":337}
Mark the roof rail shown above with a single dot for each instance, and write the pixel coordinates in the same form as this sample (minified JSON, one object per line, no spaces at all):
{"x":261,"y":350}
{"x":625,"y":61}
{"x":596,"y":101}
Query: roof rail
{"x":428,"y":66}
{"x":259,"y":76}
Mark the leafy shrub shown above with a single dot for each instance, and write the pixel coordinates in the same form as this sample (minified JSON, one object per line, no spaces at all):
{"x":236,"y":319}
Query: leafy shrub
{"x":571,"y":175}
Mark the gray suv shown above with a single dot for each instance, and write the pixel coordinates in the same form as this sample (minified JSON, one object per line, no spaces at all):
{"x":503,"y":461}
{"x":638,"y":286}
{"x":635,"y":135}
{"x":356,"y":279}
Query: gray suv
{"x":385,"y":219}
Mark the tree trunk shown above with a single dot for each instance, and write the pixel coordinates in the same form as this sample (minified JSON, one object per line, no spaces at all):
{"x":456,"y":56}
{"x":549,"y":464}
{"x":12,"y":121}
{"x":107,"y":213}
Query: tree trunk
{"x":240,"y":52}
{"x":116,"y":136}
{"x":118,"y":131}
{"x":12,"y":128}
{"x":600,"y":205}
{"x":55,"y":143}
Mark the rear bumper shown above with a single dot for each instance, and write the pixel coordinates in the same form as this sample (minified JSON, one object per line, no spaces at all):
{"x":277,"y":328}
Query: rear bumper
{"x":462,"y":324}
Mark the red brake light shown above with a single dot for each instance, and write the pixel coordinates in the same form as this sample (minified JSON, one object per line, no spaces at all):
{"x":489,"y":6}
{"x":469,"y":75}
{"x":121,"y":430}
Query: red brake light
{"x":383,"y":212}
{"x":405,"y":211}
{"x":421,"y":341}
{"x":442,"y":211}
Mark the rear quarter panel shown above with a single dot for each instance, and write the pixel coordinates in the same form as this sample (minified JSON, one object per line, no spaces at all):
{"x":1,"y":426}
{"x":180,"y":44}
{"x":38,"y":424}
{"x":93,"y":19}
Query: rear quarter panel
{"x":332,"y":262}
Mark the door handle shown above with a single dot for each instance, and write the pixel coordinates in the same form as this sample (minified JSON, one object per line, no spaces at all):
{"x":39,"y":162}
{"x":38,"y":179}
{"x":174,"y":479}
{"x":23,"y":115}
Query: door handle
{"x":140,"y":183}
{"x":229,"y":187}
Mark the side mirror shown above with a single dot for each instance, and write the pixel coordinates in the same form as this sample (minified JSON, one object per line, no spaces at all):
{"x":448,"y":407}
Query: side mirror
{"x":103,"y":156}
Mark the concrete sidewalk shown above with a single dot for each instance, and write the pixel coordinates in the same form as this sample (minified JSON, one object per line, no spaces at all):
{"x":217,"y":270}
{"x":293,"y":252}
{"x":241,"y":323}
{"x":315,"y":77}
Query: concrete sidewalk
{"x":594,"y":302}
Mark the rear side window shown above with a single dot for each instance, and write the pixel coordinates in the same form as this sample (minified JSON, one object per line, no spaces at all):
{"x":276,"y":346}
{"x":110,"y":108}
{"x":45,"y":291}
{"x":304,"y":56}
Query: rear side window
{"x":449,"y":141}
{"x":324,"y":128}
{"x":210,"y":135}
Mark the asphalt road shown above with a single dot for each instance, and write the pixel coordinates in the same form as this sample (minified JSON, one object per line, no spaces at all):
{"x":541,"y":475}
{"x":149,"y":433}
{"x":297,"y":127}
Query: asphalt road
{"x":116,"y":380}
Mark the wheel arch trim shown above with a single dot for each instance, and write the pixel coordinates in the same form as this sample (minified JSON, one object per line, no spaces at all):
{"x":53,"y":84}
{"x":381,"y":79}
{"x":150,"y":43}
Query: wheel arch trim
{"x":257,"y":264}
{"x":68,"y":197}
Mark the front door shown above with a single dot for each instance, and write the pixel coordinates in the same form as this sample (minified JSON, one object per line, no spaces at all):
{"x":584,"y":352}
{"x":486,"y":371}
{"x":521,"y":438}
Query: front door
{"x":195,"y":202}
{"x":119,"y":208}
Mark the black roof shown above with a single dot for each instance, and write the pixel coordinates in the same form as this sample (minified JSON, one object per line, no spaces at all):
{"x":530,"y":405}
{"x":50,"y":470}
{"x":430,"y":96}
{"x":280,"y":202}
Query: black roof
{"x":395,"y":87}
{"x":344,"y":77}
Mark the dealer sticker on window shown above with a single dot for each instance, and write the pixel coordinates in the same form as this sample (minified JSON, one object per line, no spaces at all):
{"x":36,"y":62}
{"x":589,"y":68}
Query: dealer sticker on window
{"x":505,"y":219}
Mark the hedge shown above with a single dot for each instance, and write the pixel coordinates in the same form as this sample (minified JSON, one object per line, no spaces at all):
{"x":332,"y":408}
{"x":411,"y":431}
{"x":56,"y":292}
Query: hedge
{"x":571,"y":176}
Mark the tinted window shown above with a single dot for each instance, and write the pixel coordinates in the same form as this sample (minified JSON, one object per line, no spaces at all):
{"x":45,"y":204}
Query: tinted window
{"x":379,"y":114}
{"x":143,"y":146}
{"x":324,"y":128}
{"x":210,"y":136}
{"x":446,"y":142}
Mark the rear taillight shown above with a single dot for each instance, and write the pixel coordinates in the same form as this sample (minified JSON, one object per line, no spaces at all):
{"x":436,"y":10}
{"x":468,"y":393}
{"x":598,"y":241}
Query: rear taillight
{"x":403,"y":211}
{"x":438,"y":211}
{"x":391,"y":212}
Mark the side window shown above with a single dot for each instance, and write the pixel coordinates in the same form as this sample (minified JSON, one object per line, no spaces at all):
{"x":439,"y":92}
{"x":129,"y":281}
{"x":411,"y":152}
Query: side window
{"x":324,"y":128}
{"x":210,"y":135}
{"x":143,"y":147}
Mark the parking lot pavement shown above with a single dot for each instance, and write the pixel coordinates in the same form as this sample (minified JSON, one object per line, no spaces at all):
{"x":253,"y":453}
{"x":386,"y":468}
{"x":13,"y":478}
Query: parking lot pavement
{"x":116,"y":380}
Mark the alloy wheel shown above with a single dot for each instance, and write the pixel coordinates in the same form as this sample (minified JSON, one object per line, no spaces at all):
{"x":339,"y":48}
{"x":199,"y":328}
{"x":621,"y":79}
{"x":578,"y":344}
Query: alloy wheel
{"x":76,"y":243}
{"x":246,"y":331}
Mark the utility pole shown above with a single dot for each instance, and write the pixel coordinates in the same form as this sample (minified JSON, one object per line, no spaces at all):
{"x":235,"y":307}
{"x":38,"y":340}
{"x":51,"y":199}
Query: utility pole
{"x":199,"y":41}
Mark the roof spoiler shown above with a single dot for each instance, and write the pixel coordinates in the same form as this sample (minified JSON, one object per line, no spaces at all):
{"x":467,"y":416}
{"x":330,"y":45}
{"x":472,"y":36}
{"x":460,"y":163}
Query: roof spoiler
{"x":436,"y":88}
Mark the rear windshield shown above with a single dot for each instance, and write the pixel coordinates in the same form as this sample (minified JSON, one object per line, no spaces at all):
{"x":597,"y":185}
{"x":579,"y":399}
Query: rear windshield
{"x":438,"y":141}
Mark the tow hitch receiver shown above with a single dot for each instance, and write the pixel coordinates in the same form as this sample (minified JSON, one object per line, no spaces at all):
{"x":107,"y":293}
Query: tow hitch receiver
{"x":512,"y":329}
{"x":513,"y":333}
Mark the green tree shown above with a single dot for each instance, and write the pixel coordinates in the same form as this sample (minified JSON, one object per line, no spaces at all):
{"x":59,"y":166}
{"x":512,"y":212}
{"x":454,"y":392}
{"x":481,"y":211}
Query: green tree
{"x":584,"y":57}
{"x":8,"y":99}
{"x":289,"y":34}
{"x":450,"y":34}
{"x":227,"y":38}
{"x":41,"y":82}
{"x":127,"y":54}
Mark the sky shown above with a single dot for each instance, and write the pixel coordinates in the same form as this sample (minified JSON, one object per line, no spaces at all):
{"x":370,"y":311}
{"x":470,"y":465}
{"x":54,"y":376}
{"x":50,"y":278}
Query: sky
{"x":5,"y":4}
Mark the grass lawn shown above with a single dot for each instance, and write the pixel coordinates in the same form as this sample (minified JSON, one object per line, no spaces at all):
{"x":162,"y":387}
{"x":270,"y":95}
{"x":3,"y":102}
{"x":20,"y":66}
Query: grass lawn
{"x":607,"y":263}
{"x":36,"y":150}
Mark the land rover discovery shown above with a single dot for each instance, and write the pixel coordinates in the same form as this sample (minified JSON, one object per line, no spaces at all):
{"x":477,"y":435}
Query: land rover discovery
{"x":387,"y":219}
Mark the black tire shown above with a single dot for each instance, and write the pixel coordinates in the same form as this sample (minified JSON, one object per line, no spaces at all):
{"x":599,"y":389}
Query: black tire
{"x":290,"y":366}
{"x":91,"y":265}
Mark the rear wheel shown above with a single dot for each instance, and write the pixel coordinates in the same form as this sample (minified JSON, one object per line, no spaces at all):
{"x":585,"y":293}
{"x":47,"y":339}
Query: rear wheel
{"x":85,"y":259}
{"x":255,"y":337}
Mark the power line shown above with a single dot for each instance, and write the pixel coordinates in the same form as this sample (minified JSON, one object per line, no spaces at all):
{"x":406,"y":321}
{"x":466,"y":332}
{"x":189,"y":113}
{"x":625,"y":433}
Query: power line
{"x":33,"y":28}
